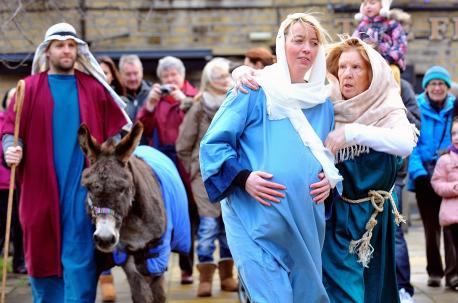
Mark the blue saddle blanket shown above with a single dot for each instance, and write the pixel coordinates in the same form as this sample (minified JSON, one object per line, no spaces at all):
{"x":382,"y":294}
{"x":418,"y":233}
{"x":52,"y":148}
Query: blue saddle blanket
{"x":177,"y":236}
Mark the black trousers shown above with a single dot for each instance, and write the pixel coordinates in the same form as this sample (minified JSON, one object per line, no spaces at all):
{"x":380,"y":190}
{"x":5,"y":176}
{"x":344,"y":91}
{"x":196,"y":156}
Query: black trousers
{"x":16,"y":230}
{"x":429,"y":204}
{"x":186,"y":261}
{"x":451,"y":257}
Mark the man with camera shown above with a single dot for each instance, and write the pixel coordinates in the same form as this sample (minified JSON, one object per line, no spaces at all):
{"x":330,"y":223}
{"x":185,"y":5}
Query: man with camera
{"x":166,"y":104}
{"x":436,"y":107}
{"x":161,"y":115}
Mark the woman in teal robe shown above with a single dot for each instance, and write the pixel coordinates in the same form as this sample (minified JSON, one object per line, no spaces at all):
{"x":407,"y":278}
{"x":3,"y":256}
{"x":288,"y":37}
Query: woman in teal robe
{"x":264,"y":154}
{"x":371,"y":135}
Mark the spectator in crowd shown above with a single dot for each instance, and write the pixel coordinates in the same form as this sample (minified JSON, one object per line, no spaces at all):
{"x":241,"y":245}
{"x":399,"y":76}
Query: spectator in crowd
{"x":436,"y":107}
{"x":376,"y":26}
{"x":16,"y":230}
{"x":258,"y":58}
{"x":445,"y":184}
{"x":273,"y":214}
{"x":162,"y":115}
{"x":215,"y":83}
{"x":131,"y":71}
{"x":59,"y":251}
{"x":406,"y":290}
{"x":112,"y":75}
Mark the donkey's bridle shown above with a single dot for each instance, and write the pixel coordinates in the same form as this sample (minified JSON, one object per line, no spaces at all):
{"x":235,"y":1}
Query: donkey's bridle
{"x":95,"y":211}
{"x":141,"y":255}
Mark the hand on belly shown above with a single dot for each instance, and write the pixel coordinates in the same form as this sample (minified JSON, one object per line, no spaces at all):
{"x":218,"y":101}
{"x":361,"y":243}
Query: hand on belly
{"x":263,"y":190}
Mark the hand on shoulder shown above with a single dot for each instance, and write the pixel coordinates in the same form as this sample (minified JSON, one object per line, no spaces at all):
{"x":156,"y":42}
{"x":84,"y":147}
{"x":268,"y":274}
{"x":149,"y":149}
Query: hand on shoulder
{"x":244,"y":76}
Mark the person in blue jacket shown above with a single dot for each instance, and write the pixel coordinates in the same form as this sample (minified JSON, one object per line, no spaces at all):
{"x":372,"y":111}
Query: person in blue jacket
{"x":436,"y":107}
{"x":264,"y":154}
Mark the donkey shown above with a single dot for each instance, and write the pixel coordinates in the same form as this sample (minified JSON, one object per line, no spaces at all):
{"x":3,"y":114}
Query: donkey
{"x":127,"y":207}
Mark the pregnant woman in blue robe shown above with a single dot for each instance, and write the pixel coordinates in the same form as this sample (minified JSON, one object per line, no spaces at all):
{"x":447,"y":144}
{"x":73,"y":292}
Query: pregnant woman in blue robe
{"x":264,"y":154}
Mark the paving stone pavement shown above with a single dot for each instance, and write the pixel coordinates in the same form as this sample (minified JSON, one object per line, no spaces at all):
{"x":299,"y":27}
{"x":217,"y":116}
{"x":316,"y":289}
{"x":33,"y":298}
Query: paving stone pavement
{"x":18,"y":290}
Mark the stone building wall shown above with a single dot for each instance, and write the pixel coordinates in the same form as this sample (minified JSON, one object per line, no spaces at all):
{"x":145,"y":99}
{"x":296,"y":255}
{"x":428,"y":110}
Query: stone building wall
{"x":227,"y":27}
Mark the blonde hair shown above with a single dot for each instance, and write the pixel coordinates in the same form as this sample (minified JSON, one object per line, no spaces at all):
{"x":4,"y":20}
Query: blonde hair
{"x":208,"y":73}
{"x":307,"y":19}
{"x":335,"y":51}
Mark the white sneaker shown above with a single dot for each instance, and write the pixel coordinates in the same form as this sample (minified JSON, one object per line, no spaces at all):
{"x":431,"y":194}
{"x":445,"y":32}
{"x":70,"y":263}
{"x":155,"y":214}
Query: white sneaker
{"x":405,"y":297}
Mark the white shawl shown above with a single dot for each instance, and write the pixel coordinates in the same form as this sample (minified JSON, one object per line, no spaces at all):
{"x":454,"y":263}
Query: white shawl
{"x":286,"y":100}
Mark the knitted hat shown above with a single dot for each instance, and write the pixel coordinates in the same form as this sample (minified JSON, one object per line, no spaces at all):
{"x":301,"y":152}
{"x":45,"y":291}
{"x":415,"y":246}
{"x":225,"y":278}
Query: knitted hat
{"x":384,"y":12}
{"x":436,"y":73}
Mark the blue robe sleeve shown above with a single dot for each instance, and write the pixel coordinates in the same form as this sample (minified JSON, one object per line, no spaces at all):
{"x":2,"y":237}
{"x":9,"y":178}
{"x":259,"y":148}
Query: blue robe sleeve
{"x":219,"y":160}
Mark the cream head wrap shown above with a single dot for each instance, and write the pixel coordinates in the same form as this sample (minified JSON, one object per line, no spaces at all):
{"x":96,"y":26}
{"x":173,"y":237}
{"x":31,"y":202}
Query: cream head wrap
{"x":85,"y":59}
{"x":287,"y":100}
{"x":380,"y":105}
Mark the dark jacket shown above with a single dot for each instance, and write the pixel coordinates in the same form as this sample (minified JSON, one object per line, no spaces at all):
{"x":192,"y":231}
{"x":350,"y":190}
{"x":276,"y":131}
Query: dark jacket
{"x":413,"y":115}
{"x":136,"y":101}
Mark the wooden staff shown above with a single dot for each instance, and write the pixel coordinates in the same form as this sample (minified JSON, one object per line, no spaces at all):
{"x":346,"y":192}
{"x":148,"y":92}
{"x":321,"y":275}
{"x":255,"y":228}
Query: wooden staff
{"x":20,"y":89}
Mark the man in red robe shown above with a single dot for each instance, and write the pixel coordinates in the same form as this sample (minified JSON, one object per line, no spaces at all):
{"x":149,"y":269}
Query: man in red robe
{"x":161,"y":116}
{"x":57,"y":232}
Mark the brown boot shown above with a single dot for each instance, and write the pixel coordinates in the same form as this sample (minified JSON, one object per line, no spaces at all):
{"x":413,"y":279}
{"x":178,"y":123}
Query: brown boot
{"x":107,"y":288}
{"x":206,"y":271}
{"x":228,"y":282}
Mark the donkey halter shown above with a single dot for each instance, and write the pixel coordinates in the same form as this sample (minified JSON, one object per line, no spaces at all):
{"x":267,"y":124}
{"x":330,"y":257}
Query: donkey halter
{"x":95,"y":211}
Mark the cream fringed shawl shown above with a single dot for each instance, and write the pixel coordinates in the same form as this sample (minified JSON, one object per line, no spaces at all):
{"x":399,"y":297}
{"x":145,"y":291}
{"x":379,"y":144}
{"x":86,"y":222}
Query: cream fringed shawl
{"x":380,"y":105}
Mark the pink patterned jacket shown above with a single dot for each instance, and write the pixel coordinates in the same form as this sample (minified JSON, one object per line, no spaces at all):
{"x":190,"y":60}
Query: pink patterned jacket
{"x":445,"y":183}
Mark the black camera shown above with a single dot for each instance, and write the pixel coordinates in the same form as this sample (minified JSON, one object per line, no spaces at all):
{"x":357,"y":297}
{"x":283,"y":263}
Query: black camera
{"x":166,"y":89}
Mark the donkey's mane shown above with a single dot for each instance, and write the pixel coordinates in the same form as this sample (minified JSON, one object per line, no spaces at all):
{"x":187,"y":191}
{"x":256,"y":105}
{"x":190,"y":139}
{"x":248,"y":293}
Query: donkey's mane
{"x":148,"y":201}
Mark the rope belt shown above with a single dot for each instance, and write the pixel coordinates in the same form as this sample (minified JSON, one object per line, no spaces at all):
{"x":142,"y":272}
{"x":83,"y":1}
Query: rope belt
{"x":362,"y":247}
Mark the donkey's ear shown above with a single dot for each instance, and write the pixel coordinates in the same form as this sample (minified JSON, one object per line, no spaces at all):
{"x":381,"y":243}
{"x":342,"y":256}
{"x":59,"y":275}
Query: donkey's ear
{"x":88,"y":144}
{"x":127,"y":145}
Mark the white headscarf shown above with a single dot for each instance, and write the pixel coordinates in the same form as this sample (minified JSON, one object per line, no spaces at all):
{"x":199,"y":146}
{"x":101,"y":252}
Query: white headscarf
{"x":286,"y":99}
{"x":85,"y":59}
